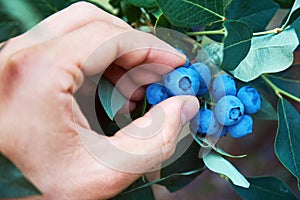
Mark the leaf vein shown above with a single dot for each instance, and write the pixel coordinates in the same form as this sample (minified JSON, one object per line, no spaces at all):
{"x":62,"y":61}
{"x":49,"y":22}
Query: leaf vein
{"x":289,"y":137}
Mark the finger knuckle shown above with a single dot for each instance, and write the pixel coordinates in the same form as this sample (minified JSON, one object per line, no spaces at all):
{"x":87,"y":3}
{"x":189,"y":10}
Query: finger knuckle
{"x":17,"y":62}
{"x":69,"y":77}
{"x":95,"y":29}
{"x":97,"y":26}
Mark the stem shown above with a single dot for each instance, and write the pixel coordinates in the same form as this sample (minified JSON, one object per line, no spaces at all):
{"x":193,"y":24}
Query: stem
{"x":279,"y":91}
{"x":147,"y":21}
{"x":273,"y":31}
{"x":210,"y":103}
{"x":188,"y":173}
{"x":220,"y":32}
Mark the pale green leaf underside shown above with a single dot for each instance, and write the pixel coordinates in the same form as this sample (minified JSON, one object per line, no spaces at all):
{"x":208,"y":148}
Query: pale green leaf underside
{"x":294,"y":8}
{"x":110,"y":98}
{"x":218,"y":164}
{"x":268,"y":54}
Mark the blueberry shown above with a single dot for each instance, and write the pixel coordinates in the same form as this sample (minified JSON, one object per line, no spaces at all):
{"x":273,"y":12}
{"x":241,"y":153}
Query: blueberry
{"x":187,"y":61}
{"x":205,"y":123}
{"x":182,"y":81}
{"x":155,"y":93}
{"x":223,"y":85}
{"x":229,"y":110}
{"x":205,"y":77}
{"x":242,"y":128}
{"x":250,"y":97}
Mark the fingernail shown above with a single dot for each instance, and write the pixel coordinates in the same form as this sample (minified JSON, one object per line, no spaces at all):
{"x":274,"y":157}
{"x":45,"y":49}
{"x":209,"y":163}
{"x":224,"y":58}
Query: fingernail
{"x":189,"y":109}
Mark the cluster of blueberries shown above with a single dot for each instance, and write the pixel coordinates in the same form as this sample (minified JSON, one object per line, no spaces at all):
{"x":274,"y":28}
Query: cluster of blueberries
{"x":232,"y":109}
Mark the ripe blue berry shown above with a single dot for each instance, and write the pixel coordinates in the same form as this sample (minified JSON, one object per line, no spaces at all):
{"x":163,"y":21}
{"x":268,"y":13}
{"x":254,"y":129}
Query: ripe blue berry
{"x":205,"y":77}
{"x":224,"y":131}
{"x":182,"y":81}
{"x":250,"y":97}
{"x":242,"y":128}
{"x":229,"y":110}
{"x":205,"y":123}
{"x":223,"y":85}
{"x":155,"y":93}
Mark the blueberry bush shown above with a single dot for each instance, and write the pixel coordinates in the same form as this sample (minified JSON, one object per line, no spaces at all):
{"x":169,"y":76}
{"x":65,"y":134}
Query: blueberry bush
{"x":242,"y":63}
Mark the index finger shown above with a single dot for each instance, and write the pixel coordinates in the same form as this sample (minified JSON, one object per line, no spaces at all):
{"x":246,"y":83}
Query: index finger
{"x":130,"y":49}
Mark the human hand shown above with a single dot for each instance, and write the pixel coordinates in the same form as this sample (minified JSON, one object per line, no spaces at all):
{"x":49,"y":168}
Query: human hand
{"x":40,"y":120}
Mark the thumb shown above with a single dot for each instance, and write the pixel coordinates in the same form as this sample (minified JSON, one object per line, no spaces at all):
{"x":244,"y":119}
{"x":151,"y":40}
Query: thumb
{"x":151,"y":139}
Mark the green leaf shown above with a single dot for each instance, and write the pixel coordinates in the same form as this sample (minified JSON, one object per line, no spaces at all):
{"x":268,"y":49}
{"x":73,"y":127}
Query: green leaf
{"x":296,"y":26}
{"x":286,"y":145}
{"x":218,"y":164}
{"x":9,"y":29}
{"x":12,"y":182}
{"x":294,"y":13}
{"x":132,"y":13}
{"x":227,"y":4}
{"x":256,"y":14}
{"x":140,"y":192}
{"x":187,"y":162}
{"x":289,"y":85}
{"x":189,"y":13}
{"x":237,"y":43}
{"x":110,"y":98}
{"x":162,"y":21}
{"x":164,"y":179}
{"x":143,"y":3}
{"x":285,"y":3}
{"x":265,"y":188}
{"x":17,"y":17}
{"x":268,"y":54}
{"x":22,"y":11}
{"x":115,"y":3}
{"x":156,"y":12}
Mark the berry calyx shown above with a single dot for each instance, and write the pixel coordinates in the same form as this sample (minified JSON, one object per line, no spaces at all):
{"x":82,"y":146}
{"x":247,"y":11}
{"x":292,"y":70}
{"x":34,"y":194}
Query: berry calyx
{"x":182,"y":81}
{"x":229,"y":110}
